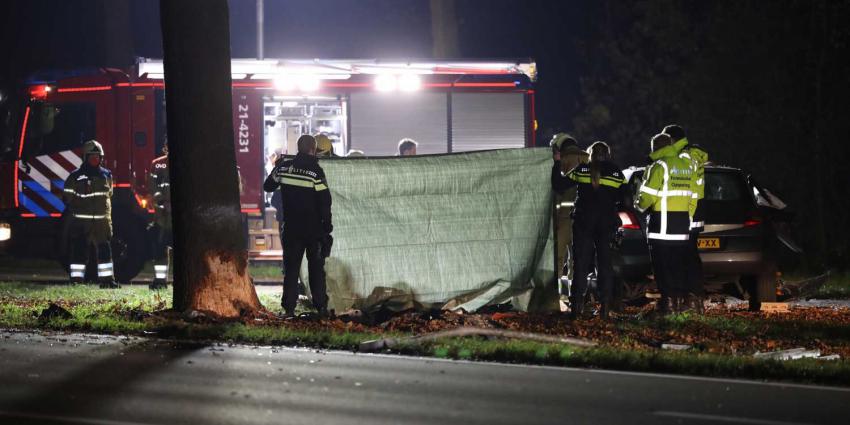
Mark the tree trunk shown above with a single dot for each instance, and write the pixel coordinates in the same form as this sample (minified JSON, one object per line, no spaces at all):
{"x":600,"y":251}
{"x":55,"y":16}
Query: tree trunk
{"x":210,"y":260}
{"x":444,"y":29}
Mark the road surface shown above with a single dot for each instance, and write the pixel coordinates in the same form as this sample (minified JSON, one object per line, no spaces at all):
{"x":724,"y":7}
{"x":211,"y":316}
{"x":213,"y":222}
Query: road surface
{"x":105,"y":380}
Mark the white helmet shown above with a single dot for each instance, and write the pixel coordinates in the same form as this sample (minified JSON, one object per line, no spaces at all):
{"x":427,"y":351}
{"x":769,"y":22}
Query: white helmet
{"x":92,"y":147}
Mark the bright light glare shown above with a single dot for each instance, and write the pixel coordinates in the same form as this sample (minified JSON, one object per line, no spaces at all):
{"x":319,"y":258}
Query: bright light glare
{"x":386,"y":82}
{"x":308,"y":84}
{"x":409,"y":82}
{"x":284,"y":83}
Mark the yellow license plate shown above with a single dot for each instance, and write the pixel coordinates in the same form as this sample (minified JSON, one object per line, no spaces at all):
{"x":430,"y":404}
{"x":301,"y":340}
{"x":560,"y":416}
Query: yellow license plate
{"x":708,"y":243}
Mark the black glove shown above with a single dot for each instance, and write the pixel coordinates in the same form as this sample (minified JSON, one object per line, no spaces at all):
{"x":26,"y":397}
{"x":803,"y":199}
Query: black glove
{"x":327,"y":242}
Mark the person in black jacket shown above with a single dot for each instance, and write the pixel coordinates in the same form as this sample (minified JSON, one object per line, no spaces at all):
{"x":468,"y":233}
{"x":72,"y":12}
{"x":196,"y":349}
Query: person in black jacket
{"x":306,"y":204}
{"x":595,"y":220}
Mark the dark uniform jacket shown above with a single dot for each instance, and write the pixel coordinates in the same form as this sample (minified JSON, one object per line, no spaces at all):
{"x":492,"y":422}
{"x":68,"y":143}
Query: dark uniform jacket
{"x":87,"y":194}
{"x":159,"y":185}
{"x":305,"y":196}
{"x":601,"y":203}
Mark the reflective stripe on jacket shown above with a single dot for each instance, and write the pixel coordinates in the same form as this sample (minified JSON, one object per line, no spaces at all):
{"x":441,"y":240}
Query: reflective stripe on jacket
{"x":666,"y":192}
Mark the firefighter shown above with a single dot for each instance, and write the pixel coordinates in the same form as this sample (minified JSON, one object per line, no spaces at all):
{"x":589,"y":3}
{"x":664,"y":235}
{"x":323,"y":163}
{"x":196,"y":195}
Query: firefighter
{"x":159,"y":182}
{"x":87,"y":194}
{"x":698,"y":157}
{"x":571,"y":156}
{"x":324,"y":146}
{"x":307,"y":226}
{"x":595,"y":220}
{"x":407,"y":147}
{"x":666,"y":193}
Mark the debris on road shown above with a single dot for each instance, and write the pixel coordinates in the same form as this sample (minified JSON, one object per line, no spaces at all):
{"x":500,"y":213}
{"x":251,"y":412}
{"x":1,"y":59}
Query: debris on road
{"x":769,"y":307}
{"x":790,"y":354}
{"x":54,"y":311}
{"x":675,"y":347}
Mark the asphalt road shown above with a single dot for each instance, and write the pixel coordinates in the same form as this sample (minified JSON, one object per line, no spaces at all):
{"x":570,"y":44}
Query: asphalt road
{"x":102,"y":380}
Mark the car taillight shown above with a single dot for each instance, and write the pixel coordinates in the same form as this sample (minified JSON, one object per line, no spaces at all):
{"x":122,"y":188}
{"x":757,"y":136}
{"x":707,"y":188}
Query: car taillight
{"x":752,"y":221}
{"x":629,"y":220}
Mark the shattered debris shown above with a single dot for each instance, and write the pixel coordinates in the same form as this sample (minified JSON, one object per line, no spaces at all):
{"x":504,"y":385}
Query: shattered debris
{"x":54,"y":311}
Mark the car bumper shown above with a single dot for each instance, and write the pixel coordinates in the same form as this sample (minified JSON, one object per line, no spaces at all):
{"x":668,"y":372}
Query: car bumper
{"x":732,"y":263}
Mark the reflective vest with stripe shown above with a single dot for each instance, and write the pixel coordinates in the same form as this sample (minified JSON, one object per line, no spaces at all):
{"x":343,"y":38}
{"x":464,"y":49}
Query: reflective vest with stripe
{"x":667,"y":192}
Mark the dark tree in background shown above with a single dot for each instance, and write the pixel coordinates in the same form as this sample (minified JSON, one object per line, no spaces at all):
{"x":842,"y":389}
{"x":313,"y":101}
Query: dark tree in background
{"x":763,"y":85}
{"x":211,"y":263}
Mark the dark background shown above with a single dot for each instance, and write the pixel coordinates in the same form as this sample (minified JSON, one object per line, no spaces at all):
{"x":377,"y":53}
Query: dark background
{"x":763,"y":85}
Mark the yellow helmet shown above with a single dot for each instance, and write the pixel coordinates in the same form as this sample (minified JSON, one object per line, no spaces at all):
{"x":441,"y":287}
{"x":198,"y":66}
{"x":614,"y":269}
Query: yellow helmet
{"x":92,"y":147}
{"x":324,"y":147}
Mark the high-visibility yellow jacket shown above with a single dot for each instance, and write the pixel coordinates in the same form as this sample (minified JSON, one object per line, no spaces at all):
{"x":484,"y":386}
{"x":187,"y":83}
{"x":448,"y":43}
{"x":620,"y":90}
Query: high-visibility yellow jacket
{"x":698,"y":158}
{"x":666,"y":192}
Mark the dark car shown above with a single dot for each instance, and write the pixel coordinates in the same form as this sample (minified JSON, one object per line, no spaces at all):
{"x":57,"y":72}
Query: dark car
{"x":736,"y":247}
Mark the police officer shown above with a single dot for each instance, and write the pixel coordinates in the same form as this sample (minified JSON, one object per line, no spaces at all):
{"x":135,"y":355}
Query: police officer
{"x":600,"y":192}
{"x":698,"y":157}
{"x":666,"y":193}
{"x":159,"y":182}
{"x":571,"y":156}
{"x":307,"y":226}
{"x":87,"y":194}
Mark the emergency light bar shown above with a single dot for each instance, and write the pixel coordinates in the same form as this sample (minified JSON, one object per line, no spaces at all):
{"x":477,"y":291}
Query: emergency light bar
{"x":323,"y":69}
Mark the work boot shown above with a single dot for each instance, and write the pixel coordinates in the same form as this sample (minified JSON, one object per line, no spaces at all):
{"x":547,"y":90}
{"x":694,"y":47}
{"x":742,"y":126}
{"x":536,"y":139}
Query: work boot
{"x":576,"y":308}
{"x":604,"y":311}
{"x":109,"y":284}
{"x":664,"y":306}
{"x":323,"y":313}
{"x":695,"y":303}
{"x":158,"y":284}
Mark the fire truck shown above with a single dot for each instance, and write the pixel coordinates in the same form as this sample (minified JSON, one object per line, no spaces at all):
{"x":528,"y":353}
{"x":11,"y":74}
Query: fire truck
{"x":364,"y":105}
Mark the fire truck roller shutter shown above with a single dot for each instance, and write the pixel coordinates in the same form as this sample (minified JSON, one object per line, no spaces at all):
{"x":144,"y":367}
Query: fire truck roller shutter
{"x":482,"y":121}
{"x":380,"y":120}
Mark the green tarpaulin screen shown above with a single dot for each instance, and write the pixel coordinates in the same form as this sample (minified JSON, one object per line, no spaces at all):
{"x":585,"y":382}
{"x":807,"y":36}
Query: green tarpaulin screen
{"x":457,"y":231}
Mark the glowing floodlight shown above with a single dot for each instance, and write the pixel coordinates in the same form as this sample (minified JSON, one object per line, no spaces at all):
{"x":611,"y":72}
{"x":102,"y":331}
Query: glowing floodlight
{"x":386,"y":82}
{"x":284,"y":83}
{"x":409,"y":82}
{"x":307,"y":83}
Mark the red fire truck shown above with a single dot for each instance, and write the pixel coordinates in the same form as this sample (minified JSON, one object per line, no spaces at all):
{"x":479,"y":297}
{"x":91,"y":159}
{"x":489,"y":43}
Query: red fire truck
{"x":365,"y":105}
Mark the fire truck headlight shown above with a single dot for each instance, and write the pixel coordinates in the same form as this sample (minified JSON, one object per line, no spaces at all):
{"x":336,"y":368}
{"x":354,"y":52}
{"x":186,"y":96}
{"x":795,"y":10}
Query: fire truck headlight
{"x":284,"y":83}
{"x":386,"y":82}
{"x":409,"y":83}
{"x":308,"y":84}
{"x":5,"y":232}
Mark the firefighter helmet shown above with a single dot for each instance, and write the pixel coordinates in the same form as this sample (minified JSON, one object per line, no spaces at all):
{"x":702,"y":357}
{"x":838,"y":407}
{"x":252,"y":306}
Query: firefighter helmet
{"x":324,"y":147}
{"x":559,"y":138}
{"x":92,"y":147}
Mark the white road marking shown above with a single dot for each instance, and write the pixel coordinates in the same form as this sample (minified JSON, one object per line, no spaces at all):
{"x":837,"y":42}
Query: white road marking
{"x":728,"y":419}
{"x":68,"y":419}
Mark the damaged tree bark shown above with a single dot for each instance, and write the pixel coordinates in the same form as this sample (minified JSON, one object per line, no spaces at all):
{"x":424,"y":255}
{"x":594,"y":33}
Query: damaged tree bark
{"x":210,"y":260}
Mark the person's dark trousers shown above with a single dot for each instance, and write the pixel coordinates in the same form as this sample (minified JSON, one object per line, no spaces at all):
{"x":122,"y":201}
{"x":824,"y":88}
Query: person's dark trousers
{"x":669,"y":265}
{"x":694,"y":268}
{"x":296,"y":247}
{"x":591,"y":241}
{"x":282,"y":248}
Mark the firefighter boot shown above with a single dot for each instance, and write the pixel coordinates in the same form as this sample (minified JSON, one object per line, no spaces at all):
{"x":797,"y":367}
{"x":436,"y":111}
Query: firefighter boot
{"x":576,"y":307}
{"x":109,"y":284}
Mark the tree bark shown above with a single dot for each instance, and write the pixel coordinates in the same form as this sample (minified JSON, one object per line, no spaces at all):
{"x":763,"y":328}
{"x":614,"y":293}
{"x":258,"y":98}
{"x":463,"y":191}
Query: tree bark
{"x":210,"y":260}
{"x":444,"y":29}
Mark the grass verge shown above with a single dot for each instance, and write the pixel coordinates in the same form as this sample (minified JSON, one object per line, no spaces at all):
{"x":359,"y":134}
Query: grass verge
{"x":131,"y":310}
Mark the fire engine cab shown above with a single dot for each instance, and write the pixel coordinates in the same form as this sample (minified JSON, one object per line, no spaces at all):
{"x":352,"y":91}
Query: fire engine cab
{"x":365,"y":105}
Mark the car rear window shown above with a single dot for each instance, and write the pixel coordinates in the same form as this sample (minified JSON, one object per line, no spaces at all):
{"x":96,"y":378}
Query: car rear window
{"x":724,"y":186}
